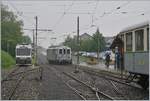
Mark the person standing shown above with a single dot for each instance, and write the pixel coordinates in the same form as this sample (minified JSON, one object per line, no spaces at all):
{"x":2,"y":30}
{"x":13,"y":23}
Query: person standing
{"x":116,"y":53}
{"x":107,"y":60}
{"x":118,"y":60}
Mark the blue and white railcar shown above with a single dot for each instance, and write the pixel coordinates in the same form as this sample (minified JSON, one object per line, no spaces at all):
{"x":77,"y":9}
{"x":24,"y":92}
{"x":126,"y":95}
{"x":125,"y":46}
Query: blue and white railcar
{"x":136,"y":51}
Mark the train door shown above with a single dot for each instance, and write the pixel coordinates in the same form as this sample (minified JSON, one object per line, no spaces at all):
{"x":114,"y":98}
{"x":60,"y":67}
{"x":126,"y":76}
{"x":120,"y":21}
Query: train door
{"x":60,"y":54}
{"x":64,"y":53}
{"x":121,"y":49}
{"x":141,"y":55}
{"x":128,"y":54}
{"x":68,"y":54}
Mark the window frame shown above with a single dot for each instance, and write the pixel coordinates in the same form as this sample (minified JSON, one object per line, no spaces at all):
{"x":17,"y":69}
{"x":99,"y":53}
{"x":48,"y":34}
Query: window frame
{"x":140,"y":47}
{"x":127,"y":46}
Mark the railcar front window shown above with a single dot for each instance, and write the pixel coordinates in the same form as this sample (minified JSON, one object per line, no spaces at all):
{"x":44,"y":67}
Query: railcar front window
{"x":147,"y":38}
{"x":139,"y":44}
{"x":129,"y":41}
{"x":68,"y":51}
{"x":60,"y":51}
{"x":22,"y":52}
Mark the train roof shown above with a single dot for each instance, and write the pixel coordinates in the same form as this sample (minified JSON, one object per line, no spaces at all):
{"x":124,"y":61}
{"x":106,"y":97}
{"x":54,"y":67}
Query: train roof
{"x":58,"y":47}
{"x":135,"y":26}
{"x":24,"y":45}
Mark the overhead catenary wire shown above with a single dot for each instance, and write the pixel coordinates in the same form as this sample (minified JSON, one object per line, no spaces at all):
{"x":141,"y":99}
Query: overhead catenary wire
{"x":113,"y":10}
{"x":105,"y":13}
{"x":76,"y":12}
{"x":94,"y":11}
{"x":61,"y":17}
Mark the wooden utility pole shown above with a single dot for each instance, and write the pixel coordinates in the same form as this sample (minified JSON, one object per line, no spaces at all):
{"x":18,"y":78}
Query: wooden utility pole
{"x":78,"y":45}
{"x":36,"y":18}
{"x":98,"y":48}
{"x":78,"y":38}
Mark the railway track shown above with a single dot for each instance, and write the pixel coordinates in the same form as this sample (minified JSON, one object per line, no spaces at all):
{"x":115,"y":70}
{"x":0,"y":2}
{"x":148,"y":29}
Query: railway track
{"x":117,"y":87}
{"x":9,"y":74}
{"x":108,"y":73}
{"x":112,"y":78}
{"x":17,"y":75}
{"x":16,"y":86}
{"x":94,"y":89}
{"x":96,"y":94}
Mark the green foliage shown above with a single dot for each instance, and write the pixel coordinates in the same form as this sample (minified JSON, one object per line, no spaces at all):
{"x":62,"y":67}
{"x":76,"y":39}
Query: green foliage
{"x":71,"y":42}
{"x":89,"y":45}
{"x":99,"y":41}
{"x":86,"y":45}
{"x":11,"y":31}
{"x":26,"y":39}
{"x":7,"y":60}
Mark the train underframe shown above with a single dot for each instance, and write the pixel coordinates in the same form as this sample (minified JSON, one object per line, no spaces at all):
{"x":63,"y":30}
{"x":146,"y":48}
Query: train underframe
{"x":142,"y":79}
{"x":60,"y":62}
{"x":23,"y":62}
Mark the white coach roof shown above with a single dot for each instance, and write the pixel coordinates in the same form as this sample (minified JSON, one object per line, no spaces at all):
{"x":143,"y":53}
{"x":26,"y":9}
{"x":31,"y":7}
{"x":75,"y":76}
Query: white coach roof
{"x":140,"y":25}
{"x":24,"y":45}
{"x":58,"y":47}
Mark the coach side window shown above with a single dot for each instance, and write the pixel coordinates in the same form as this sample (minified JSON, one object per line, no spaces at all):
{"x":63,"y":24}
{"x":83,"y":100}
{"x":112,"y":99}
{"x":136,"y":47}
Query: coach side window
{"x":129,"y":41}
{"x":147,"y":38}
{"x":139,"y":43}
{"x":60,"y":51}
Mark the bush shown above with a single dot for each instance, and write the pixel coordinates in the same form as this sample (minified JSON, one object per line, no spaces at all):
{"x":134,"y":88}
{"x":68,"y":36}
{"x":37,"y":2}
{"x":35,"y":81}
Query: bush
{"x":7,"y":60}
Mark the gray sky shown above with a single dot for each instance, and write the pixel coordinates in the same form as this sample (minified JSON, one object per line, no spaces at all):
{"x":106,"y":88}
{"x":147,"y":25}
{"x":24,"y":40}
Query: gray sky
{"x":61,"y":17}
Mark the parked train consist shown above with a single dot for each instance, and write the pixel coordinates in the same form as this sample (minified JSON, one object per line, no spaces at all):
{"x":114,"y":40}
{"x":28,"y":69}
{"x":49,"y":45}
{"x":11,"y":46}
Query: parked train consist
{"x":23,"y":54}
{"x":135,"y":49}
{"x":59,"y":54}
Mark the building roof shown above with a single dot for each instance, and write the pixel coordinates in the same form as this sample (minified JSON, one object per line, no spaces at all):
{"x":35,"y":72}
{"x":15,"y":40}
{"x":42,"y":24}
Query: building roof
{"x":85,"y":34}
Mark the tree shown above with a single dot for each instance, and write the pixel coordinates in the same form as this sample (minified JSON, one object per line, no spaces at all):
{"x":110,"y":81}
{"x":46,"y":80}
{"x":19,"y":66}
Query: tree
{"x":71,"y":42}
{"x":26,"y":39}
{"x":89,"y":45}
{"x":99,"y":41}
{"x":86,"y":45}
{"x":11,"y":30}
